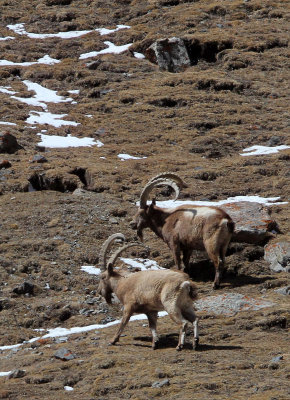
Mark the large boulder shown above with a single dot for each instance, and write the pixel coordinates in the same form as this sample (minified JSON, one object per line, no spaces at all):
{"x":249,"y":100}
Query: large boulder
{"x":170,"y":54}
{"x":253,"y":223}
{"x":8,"y":143}
{"x":278,"y":256}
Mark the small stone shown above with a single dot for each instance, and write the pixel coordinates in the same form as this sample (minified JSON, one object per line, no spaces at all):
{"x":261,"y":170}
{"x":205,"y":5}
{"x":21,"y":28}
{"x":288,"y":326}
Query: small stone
{"x":278,"y":256}
{"x":160,"y":384}
{"x":93,"y":64}
{"x":285,"y":290}
{"x":61,"y":339}
{"x":4,"y":303}
{"x":101,"y":132}
{"x":159,"y":373}
{"x":17,"y":373}
{"x":53,"y":222}
{"x":4,"y":164}
{"x":274,"y":141}
{"x":25,"y":288}
{"x":276,"y":359}
{"x":273,"y":366}
{"x":80,"y":192}
{"x":64,"y":354}
{"x":38,"y":158}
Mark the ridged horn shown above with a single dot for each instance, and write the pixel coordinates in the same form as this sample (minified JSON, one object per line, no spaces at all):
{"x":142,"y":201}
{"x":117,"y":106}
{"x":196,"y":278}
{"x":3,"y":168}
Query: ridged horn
{"x":118,"y":252}
{"x":106,"y":246}
{"x":171,"y":176}
{"x":157,"y":182}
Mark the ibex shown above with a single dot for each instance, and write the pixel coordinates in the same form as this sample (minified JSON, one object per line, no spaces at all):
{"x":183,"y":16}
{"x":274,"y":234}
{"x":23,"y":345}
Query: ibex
{"x":186,"y":227}
{"x":148,"y":292}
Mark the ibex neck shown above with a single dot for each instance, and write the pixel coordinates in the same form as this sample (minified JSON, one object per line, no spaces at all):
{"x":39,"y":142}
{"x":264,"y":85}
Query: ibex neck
{"x":157,"y":220}
{"x":114,"y":280}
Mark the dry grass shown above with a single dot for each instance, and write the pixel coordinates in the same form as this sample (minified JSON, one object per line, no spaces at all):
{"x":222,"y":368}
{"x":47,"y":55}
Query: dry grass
{"x":196,"y":123}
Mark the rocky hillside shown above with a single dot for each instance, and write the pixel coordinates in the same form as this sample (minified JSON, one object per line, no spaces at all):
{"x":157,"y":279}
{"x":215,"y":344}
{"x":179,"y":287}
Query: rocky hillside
{"x":97,"y":98}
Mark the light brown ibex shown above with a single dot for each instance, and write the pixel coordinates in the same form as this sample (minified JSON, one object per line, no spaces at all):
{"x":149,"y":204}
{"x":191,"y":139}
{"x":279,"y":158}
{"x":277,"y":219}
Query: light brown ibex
{"x":187,"y":227}
{"x":149,"y":292}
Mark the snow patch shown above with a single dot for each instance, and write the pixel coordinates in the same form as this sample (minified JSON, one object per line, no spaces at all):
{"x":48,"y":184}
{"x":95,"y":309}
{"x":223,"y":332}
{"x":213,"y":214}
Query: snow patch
{"x":112,"y":48}
{"x":5,"y":373}
{"x":263,"y":150}
{"x":139,"y":55}
{"x":124,"y":157}
{"x":7,"y":38}
{"x":90,"y":269}
{"x":6,"y":123}
{"x":6,"y":90}
{"x":267,"y":201}
{"x":143,"y":264}
{"x":20,"y":30}
{"x":68,"y":388}
{"x":55,"y":141}
{"x":37,"y":117}
{"x":43,"y":60}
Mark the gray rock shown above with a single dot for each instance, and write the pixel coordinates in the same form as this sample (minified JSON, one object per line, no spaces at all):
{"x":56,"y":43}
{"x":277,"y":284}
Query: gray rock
{"x":4,"y":164}
{"x":170,"y":54}
{"x":285,"y":290}
{"x":273,"y":365}
{"x":4,"y":303}
{"x":25,"y":288}
{"x":17,"y":373}
{"x":64,"y":354}
{"x":38,"y":158}
{"x":253,"y":223}
{"x":106,"y":320}
{"x":8,"y":143}
{"x":278,"y":256}
{"x":276,"y":359}
{"x":160,"y":384}
{"x":159,"y":373}
{"x":61,"y":339}
{"x":81,"y":192}
{"x":93,"y":64}
{"x":274,"y":141}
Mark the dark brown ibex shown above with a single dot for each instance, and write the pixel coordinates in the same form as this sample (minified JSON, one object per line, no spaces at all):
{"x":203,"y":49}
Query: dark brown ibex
{"x":186,"y":227}
{"x":149,"y":292}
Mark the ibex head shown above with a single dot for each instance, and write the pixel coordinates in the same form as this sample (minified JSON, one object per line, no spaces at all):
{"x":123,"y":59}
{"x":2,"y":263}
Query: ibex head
{"x":107,"y":282}
{"x":143,"y":217}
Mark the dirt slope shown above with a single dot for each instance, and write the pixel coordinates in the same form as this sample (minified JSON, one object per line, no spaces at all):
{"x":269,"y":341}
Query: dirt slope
{"x":197,"y":123}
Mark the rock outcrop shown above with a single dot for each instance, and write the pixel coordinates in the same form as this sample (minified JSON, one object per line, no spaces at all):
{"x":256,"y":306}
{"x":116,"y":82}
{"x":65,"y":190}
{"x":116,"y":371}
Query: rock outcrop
{"x":254,"y":224}
{"x":170,"y":54}
{"x":8,"y":143}
{"x":278,"y":256}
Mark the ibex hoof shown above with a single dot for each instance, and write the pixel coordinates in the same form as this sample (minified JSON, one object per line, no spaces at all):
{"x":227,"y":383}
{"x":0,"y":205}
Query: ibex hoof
{"x":195,"y":344}
{"x":155,"y":346}
{"x":179,"y":347}
{"x":111,"y":343}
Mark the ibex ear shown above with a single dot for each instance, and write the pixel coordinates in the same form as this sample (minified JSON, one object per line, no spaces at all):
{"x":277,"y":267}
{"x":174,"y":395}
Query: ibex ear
{"x":153,"y":203}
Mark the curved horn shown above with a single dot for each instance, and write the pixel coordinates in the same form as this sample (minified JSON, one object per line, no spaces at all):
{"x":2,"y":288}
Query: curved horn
{"x":105,"y":247}
{"x":170,"y":175}
{"x":157,"y":182}
{"x":118,"y":252}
